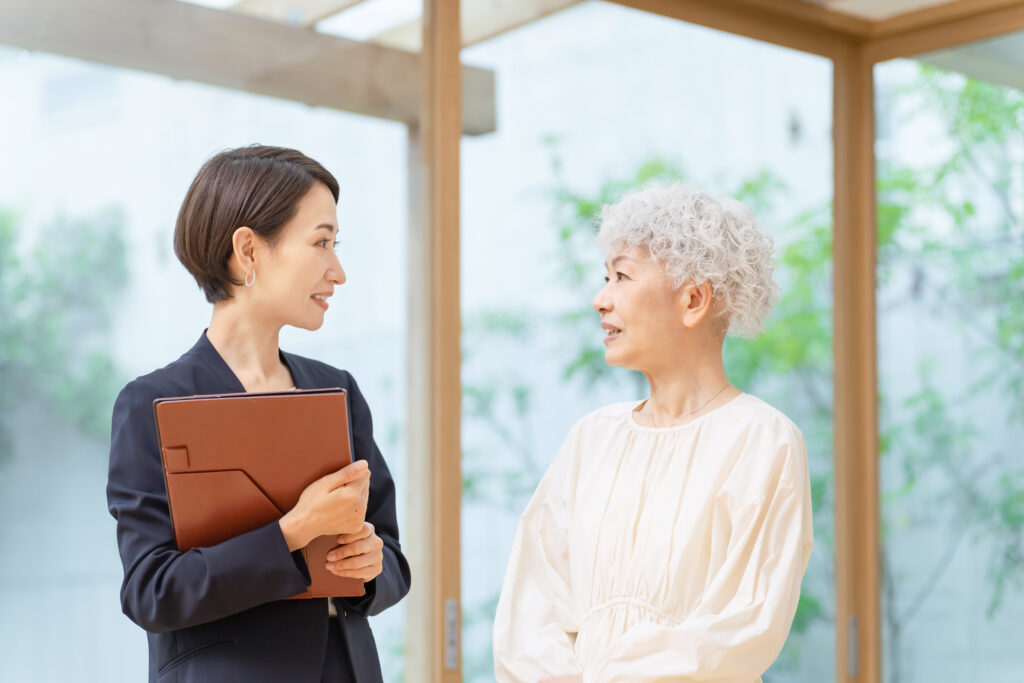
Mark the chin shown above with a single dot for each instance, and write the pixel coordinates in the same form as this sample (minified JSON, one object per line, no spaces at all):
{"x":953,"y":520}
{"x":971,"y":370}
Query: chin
{"x":311,"y":325}
{"x":612,"y":358}
{"x":619,"y":360}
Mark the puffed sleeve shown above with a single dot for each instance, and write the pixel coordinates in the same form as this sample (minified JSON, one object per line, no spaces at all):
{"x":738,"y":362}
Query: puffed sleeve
{"x":744,"y":615}
{"x":164,"y":589}
{"x":536,"y":622}
{"x":392,"y":583}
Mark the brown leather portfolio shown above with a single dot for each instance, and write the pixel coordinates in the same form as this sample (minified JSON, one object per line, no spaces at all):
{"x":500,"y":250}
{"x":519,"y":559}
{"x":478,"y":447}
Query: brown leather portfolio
{"x":236,"y":462}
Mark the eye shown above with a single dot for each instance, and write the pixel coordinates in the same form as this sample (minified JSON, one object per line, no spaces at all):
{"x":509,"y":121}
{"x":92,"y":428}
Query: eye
{"x":619,"y":276}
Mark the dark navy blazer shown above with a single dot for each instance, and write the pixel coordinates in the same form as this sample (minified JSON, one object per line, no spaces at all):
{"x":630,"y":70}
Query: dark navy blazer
{"x":218,"y":613}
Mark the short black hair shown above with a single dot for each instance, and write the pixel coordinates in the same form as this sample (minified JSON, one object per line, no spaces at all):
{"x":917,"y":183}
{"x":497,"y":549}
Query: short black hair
{"x":256,"y":186}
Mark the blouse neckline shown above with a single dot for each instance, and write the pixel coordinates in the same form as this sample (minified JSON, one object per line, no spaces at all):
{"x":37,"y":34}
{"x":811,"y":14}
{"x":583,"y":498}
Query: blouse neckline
{"x":631,"y":416}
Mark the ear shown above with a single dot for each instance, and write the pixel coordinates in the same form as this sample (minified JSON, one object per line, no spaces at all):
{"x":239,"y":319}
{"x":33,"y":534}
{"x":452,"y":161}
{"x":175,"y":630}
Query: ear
{"x":696,"y":302}
{"x":243,"y":248}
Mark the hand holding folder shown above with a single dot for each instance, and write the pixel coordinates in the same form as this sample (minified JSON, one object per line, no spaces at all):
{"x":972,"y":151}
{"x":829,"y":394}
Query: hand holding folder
{"x":335,"y":504}
{"x":236,"y":462}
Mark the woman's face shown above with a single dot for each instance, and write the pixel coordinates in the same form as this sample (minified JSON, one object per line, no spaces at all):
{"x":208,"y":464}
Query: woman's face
{"x":641,"y":310}
{"x":297,"y":275}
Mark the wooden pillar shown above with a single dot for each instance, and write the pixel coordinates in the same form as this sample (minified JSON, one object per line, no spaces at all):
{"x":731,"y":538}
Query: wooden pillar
{"x":434,"y":405}
{"x":858,"y":574}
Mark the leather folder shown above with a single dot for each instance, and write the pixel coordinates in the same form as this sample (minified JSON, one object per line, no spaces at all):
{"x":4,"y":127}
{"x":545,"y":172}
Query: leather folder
{"x":237,"y":462}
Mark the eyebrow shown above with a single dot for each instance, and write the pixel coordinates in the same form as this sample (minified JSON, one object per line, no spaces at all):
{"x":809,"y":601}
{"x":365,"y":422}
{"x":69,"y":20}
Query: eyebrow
{"x":618,"y":258}
{"x":328,"y":227}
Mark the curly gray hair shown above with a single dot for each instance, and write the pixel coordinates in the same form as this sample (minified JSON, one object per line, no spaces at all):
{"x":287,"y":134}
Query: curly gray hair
{"x":697,"y":236}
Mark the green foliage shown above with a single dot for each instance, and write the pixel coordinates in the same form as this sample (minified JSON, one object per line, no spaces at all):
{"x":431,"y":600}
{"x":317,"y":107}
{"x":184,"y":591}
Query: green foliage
{"x":953,"y":224}
{"x":55,"y":298}
{"x":1006,"y":514}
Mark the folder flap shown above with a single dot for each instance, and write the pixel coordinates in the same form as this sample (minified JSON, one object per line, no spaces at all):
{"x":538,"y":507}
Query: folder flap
{"x":231,"y":504}
{"x":176,"y":459}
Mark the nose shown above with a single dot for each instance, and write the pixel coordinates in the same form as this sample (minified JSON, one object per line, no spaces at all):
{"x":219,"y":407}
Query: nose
{"x":336,"y":273}
{"x":602,"y":302}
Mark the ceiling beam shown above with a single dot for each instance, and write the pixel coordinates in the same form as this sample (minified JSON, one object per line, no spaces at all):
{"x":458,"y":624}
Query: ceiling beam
{"x":813,"y":14}
{"x":481,"y":20}
{"x":238,"y":52}
{"x":294,"y":12}
{"x":936,"y":28}
{"x":787,"y":23}
{"x":936,"y":15}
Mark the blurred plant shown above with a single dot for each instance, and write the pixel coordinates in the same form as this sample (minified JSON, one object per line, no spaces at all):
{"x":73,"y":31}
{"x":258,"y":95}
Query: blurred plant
{"x":54,"y":315}
{"x":951,"y":246}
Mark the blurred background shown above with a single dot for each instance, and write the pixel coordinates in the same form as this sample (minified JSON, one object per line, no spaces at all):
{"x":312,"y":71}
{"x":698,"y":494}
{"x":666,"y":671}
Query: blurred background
{"x":590,"y":102}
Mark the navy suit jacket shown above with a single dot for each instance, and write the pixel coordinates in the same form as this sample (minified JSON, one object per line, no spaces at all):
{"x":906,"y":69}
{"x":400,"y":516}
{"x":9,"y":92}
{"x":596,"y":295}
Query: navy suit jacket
{"x":219,"y":613}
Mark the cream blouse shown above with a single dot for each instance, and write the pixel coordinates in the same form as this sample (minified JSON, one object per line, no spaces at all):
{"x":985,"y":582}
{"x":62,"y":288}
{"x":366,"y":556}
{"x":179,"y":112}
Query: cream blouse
{"x":659,"y":554}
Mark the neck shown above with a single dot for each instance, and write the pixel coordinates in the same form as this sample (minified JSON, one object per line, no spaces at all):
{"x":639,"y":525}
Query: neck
{"x":248,"y":345}
{"x":686,"y":386}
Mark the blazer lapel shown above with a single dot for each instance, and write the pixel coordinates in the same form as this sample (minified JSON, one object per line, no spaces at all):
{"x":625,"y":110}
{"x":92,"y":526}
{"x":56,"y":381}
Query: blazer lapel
{"x":225,"y":380}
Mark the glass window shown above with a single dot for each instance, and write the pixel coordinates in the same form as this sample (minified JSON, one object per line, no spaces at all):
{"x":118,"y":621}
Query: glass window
{"x":951,"y":342}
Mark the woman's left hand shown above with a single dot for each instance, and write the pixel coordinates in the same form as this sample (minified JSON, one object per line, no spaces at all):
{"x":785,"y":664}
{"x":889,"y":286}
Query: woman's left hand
{"x":358,"y":556}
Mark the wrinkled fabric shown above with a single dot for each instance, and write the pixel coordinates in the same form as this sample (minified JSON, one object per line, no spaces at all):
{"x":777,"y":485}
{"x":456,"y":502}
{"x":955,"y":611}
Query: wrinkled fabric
{"x":659,"y":554}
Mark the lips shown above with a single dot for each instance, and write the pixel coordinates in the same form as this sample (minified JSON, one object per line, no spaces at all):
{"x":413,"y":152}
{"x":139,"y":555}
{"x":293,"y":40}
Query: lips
{"x":611,"y":332}
{"x":321,"y":300}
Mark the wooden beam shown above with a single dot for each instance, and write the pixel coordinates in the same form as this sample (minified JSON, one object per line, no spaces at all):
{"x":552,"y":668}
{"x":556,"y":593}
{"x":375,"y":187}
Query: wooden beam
{"x":433,"y":632}
{"x":936,"y":15}
{"x":876,"y":10}
{"x":818,"y":15}
{"x":233,"y":51}
{"x":858,"y":548}
{"x":940,"y":27}
{"x":294,"y":12}
{"x":787,"y":23}
{"x":481,"y":20}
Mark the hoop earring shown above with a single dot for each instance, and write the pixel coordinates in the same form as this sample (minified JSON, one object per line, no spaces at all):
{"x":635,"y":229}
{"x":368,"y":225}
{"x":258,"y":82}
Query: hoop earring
{"x":247,"y":282}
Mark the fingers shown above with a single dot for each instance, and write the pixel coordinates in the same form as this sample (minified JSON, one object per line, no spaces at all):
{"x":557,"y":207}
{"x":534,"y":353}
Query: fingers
{"x":365,"y":574}
{"x":357,"y":471}
{"x":365,"y":531}
{"x":363,"y":566}
{"x":362,"y":559}
{"x":366,"y":546}
{"x":353,"y":564}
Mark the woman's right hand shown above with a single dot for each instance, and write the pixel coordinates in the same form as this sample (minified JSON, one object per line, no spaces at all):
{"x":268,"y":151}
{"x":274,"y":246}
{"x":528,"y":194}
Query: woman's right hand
{"x":333,"y":504}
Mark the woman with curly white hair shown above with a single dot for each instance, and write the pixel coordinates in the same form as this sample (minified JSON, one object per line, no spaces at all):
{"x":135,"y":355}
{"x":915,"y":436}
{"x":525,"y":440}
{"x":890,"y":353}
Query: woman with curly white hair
{"x":668,"y":539}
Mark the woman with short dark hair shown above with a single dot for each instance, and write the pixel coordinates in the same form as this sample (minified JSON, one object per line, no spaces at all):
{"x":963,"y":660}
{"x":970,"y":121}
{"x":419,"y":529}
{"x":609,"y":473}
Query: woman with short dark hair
{"x":257,"y":230}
